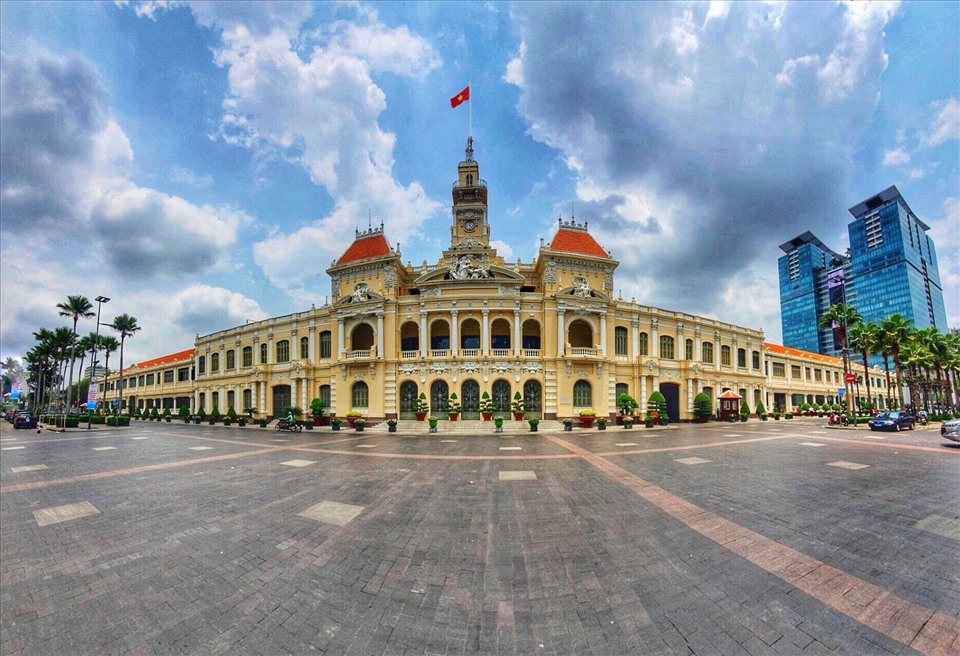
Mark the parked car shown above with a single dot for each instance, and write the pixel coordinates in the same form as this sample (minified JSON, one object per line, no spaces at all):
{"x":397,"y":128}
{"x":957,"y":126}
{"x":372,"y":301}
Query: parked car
{"x":25,"y":420}
{"x":894,"y":421}
{"x":951,"y":430}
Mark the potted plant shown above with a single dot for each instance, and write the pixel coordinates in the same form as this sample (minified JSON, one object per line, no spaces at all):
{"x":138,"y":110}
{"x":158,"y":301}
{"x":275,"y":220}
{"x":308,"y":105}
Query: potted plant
{"x":587,"y":417}
{"x":744,"y":410}
{"x":517,"y":406}
{"x":788,"y":415}
{"x":353,"y":416}
{"x":391,"y":425}
{"x":498,"y":423}
{"x":138,"y":414}
{"x":601,"y":423}
{"x":627,"y":404}
{"x":359,"y":424}
{"x":657,"y":407}
{"x":214,"y":416}
{"x":262,"y":422}
{"x":453,"y":407}
{"x":568,"y":425}
{"x":776,"y":415}
{"x":155,"y":414}
{"x":200,"y":416}
{"x":167,"y":415}
{"x":335,"y":423}
{"x":316,"y":412}
{"x":241,"y":421}
{"x":702,"y":408}
{"x":250,"y":411}
{"x":227,"y":421}
{"x":534,"y":422}
{"x":761,"y":411}
{"x":184,"y":413}
{"x":628,"y":422}
{"x":433,"y":424}
{"x":648,"y":421}
{"x":486,"y":406}
{"x":423,"y":408}
{"x":308,"y":424}
{"x":231,"y":415}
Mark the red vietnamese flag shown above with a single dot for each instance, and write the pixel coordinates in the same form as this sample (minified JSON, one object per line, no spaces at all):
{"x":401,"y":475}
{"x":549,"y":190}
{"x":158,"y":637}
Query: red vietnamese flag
{"x":460,"y":97}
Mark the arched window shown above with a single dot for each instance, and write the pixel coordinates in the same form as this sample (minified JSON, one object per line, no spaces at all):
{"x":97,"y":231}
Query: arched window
{"x":644,"y":344}
{"x":214,"y":363}
{"x":325,"y":348}
{"x":231,"y":400}
{"x":325,"y":395}
{"x":706,"y":352}
{"x":247,"y":356}
{"x":582,"y":395}
{"x":263,"y":354}
{"x":361,"y":338}
{"x":666,"y":347}
{"x":742,"y":358}
{"x":500,"y":334}
{"x":360,"y":397}
{"x":622,"y":388}
{"x":531,"y":335}
{"x":688,"y":350}
{"x":283,"y":351}
{"x":410,"y":336}
{"x":439,"y":335}
{"x":231,"y":359}
{"x":580,"y":334}
{"x":470,"y":335}
{"x":304,"y":348}
{"x":756,"y":359}
{"x":620,"y":340}
{"x":202,"y":365}
{"x":247,"y":399}
{"x":725,"y":355}
{"x":215,"y":400}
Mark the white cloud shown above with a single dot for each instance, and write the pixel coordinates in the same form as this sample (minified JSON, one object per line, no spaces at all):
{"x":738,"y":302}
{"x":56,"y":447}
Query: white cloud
{"x":185,"y":176}
{"x":943,"y":231}
{"x":503,"y":248}
{"x":718,"y":10}
{"x":790,"y":67}
{"x":858,"y":53}
{"x":946,"y":125}
{"x":896,"y":157}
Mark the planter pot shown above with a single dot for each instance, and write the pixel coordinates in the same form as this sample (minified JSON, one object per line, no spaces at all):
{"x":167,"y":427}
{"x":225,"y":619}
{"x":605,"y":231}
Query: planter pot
{"x":568,"y":427}
{"x":601,"y":427}
{"x":421,"y":416}
{"x":487,"y":415}
{"x":186,"y":420}
{"x":499,"y":429}
{"x":212,"y":422}
{"x":262,"y":423}
{"x":776,"y":418}
{"x":648,"y":424}
{"x":533,"y":428}
{"x":353,"y":421}
{"x":335,"y":427}
{"x":169,"y":419}
{"x":242,"y":423}
{"x":359,"y":429}
{"x":196,"y":421}
{"x":743,"y":419}
{"x":518,"y":416}
{"x":453,"y":417}
{"x":628,"y":424}
{"x":586,"y":422}
{"x":308,"y":425}
{"x":763,"y":418}
{"x":391,"y":429}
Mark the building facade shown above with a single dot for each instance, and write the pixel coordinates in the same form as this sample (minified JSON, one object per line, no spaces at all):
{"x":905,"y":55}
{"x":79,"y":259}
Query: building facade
{"x":471,"y":324}
{"x":891,"y":268}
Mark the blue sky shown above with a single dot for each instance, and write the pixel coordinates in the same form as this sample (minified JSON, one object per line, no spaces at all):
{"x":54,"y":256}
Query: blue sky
{"x":202,"y":164}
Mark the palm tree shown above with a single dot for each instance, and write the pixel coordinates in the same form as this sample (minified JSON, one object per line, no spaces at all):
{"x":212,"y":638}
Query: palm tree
{"x":75,"y":308}
{"x":863,"y":340}
{"x":127,"y":327}
{"x":840,"y":317}
{"x":62,"y":343}
{"x":108,"y":345}
{"x":916,"y":356}
{"x":936,"y":344}
{"x":41,"y":355}
{"x":87,"y":343}
{"x":894,"y":331}
{"x":952,"y":366}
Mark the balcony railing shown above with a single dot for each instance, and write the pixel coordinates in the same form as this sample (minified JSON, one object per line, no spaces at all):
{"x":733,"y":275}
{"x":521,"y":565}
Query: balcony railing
{"x":409,"y":355}
{"x":353,"y":355}
{"x":531,"y":353}
{"x":582,"y":350}
{"x":500,"y":353}
{"x":470,"y":353}
{"x":439,"y":353}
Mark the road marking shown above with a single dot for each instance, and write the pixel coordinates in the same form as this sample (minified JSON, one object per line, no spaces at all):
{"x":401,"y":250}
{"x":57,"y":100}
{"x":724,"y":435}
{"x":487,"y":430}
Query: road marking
{"x":137,"y":438}
{"x":811,"y":444}
{"x":734,"y":435}
{"x":279,"y":440}
{"x":948,"y":527}
{"x":511,"y":448}
{"x":58,"y":514}
{"x":12,"y":448}
{"x":871,"y":436}
{"x":199,"y":448}
{"x":367,"y":446}
{"x":104,"y":448}
{"x":927,"y":631}
{"x":28,"y":468}
{"x":448,"y":441}
{"x":843,"y":464}
{"x":299,"y":463}
{"x":626,"y":444}
{"x":332,"y":512}
{"x":518,"y":476}
{"x":691,"y":461}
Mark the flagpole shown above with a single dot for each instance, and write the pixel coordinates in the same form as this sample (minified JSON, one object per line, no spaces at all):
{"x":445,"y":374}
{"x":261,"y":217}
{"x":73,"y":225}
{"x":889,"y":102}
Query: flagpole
{"x":470,"y":110}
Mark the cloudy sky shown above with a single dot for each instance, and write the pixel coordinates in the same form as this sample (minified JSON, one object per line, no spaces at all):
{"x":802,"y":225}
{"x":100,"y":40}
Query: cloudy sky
{"x":202,"y":164}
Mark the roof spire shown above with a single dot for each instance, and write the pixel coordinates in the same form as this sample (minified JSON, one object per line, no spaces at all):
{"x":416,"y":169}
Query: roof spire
{"x":470,"y":148}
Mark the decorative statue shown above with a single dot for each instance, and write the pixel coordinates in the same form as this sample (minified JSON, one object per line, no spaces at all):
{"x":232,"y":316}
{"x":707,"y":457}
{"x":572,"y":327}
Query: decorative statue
{"x":581,"y":287}
{"x":360,"y":293}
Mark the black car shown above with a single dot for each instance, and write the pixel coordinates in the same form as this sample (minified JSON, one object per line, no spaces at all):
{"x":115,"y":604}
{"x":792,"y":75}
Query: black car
{"x":25,"y":420}
{"x":894,"y":421}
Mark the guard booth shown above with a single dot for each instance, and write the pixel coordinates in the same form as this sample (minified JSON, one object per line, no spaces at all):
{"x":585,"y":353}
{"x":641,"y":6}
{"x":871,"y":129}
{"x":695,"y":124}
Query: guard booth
{"x":729,"y":405}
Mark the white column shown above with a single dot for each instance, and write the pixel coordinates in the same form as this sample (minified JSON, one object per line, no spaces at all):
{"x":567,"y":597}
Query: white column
{"x":635,"y":335}
{"x":689,"y":395}
{"x":303,"y":394}
{"x":340,"y":339}
{"x":603,"y":334}
{"x":517,"y":339}
{"x":643,"y":392}
{"x":196,"y":400}
{"x":262,"y":396}
{"x":293,"y":391}
{"x":561,"y":347}
{"x":485,"y":332}
{"x":716,"y":353}
{"x":313,"y":345}
{"x":454,"y":333}
{"x":379,"y":334}
{"x":423,"y":334}
{"x":654,"y":340}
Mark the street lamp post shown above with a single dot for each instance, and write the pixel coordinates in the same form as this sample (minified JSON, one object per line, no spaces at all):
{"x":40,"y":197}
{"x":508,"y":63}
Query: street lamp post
{"x":96,"y":343}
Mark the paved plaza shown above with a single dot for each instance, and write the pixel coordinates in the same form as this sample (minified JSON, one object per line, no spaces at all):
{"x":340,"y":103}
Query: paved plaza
{"x":760,"y":538}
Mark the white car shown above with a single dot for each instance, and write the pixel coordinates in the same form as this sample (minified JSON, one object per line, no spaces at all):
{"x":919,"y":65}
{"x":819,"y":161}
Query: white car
{"x":951,"y":430}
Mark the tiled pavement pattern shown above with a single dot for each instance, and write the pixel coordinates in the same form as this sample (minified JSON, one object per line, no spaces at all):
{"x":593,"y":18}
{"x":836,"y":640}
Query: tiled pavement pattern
{"x":602,"y":550}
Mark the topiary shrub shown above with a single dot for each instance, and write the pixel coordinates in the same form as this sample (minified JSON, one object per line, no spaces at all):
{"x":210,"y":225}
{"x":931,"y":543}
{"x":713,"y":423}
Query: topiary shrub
{"x":702,"y":407}
{"x":657,"y":403}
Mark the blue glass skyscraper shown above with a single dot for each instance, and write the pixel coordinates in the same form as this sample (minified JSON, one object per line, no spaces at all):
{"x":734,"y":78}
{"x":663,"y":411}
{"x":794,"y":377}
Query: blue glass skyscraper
{"x":890,"y":268}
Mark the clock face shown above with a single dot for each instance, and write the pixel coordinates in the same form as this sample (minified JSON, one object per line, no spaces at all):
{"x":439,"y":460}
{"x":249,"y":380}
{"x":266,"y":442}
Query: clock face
{"x":469,"y":226}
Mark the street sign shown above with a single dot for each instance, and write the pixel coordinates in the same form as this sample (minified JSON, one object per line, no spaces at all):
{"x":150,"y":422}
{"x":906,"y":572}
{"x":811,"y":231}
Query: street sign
{"x":840,"y":392}
{"x":850,"y":378}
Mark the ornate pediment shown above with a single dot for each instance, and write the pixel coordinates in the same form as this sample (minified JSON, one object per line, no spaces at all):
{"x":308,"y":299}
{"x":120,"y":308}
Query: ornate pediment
{"x":468,"y":275}
{"x":361,"y":294}
{"x":581,"y":289}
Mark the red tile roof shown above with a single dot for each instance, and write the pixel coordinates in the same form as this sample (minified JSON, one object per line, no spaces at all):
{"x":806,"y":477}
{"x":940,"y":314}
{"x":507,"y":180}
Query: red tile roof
{"x":364,"y":249}
{"x":797,"y":353}
{"x":575,"y":241}
{"x":166,"y":359}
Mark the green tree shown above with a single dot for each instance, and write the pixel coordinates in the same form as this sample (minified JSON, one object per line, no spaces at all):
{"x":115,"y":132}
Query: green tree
{"x":702,"y":406}
{"x":841,"y":317}
{"x":864,"y":338}
{"x":127,"y":327}
{"x":916,"y":357}
{"x":75,"y":307}
{"x":895,"y":331}
{"x":627,"y":404}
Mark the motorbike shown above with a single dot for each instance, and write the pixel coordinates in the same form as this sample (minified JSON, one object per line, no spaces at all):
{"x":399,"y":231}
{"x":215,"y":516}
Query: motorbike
{"x":922,"y":420}
{"x":292,"y":426}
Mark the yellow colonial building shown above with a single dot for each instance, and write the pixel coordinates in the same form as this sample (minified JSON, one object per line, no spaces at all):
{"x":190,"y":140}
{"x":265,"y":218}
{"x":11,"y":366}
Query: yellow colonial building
{"x":472,"y":323}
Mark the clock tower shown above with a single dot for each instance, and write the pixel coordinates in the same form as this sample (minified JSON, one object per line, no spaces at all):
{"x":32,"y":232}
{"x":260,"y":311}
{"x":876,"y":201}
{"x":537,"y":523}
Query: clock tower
{"x":470,"y":227}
